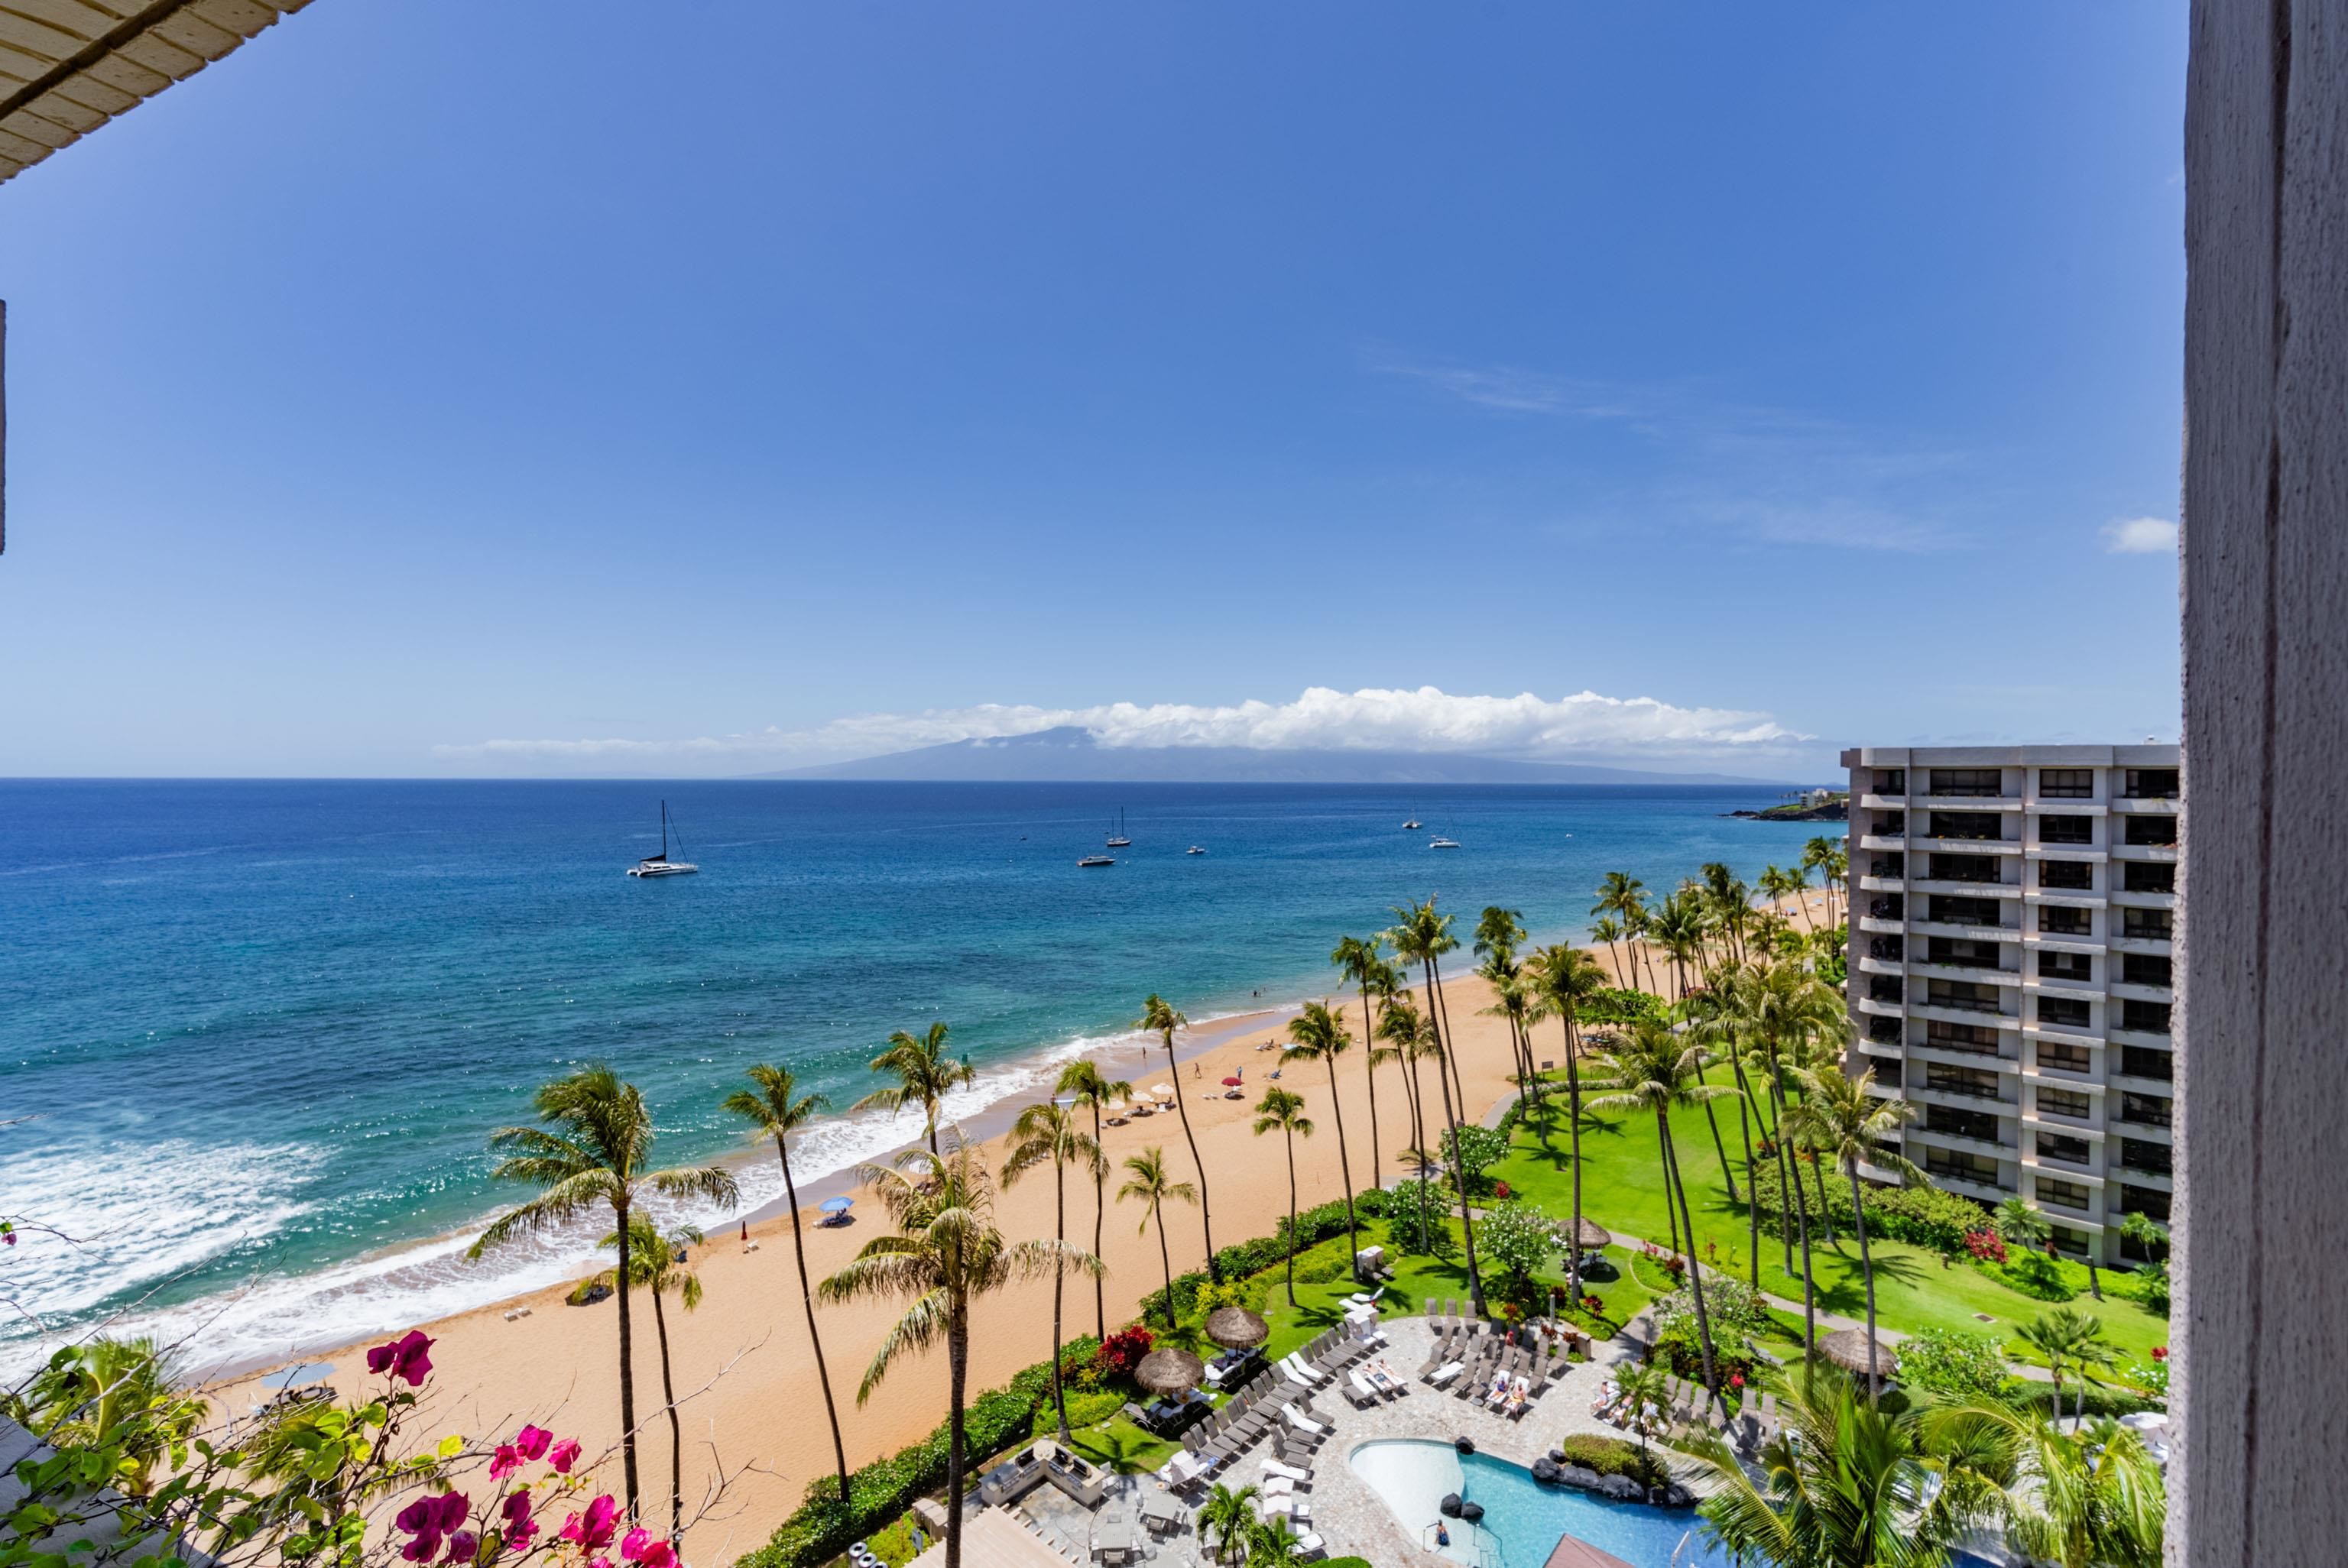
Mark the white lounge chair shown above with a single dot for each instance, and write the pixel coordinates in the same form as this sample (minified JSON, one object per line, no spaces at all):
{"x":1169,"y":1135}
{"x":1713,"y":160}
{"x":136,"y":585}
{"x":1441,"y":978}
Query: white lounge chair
{"x":1302,"y":1422}
{"x":1273,"y":1467}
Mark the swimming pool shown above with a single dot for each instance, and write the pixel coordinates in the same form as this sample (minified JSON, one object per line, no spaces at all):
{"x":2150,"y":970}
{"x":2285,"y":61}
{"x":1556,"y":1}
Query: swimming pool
{"x":1523,"y":1518}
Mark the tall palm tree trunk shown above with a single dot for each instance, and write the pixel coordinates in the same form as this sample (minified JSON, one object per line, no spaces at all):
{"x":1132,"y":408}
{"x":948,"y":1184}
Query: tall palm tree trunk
{"x":1573,"y":1121}
{"x":1802,"y":1224}
{"x":1369,"y":1075}
{"x":675,"y":1427}
{"x":1290,"y":1139}
{"x":807,"y":1298}
{"x":1205,"y":1223}
{"x":1418,"y":1142}
{"x":1663,"y":1161}
{"x":1100,"y":1212}
{"x":1695,"y":1266}
{"x":1059,"y":1281}
{"x":1344,"y":1173}
{"x":1458,"y":1169}
{"x":1867,"y":1272}
{"x":1451,"y":1054}
{"x":957,"y":1387}
{"x":627,"y":1374}
{"x":1727,"y":1172}
{"x":1752,"y":1188}
{"x":1166,"y":1262}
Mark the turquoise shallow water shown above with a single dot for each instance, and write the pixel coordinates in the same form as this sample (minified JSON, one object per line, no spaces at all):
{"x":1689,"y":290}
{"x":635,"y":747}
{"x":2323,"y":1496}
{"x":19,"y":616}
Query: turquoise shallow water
{"x":265,"y":1026}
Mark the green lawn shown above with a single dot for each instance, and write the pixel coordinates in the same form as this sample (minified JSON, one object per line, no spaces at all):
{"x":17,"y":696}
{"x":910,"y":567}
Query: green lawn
{"x":1622,"y":1190}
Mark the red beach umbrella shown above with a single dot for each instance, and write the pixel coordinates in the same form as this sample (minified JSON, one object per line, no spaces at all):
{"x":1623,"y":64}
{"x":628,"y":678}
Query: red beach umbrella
{"x":1233,"y":1082}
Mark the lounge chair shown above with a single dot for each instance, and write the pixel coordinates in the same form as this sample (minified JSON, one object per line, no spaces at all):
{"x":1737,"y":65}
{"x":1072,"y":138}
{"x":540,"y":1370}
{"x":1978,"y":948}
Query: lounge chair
{"x":1301,"y":1477}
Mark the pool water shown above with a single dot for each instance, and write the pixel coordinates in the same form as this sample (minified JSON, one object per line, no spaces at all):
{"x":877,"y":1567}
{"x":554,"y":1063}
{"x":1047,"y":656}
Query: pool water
{"x":1522,"y":1519}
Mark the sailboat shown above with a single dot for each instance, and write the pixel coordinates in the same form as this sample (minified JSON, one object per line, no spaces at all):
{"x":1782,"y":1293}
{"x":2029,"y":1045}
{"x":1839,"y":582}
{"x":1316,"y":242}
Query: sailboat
{"x":661,"y":865}
{"x":1116,"y":839}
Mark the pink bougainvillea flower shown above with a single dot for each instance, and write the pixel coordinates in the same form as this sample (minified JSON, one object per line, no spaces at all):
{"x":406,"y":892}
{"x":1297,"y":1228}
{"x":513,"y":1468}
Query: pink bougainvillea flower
{"x":462,"y":1545}
{"x":519,"y":1526}
{"x":533,"y":1442}
{"x":659,"y":1554}
{"x":403,"y":1358}
{"x":505,"y":1462}
{"x":565,"y":1455}
{"x":632,"y":1544}
{"x":431,"y":1520}
{"x":593,"y":1530}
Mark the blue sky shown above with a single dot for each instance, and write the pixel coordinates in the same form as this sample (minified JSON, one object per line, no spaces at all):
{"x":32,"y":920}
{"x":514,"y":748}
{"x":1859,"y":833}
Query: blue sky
{"x":445,"y":388}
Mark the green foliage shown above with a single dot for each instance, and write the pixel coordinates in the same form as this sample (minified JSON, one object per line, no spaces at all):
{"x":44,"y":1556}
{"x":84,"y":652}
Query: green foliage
{"x":1479,"y":1149}
{"x":1321,"y":1268}
{"x":1413,"y":1210}
{"x":1518,"y":1237}
{"x":1728,"y":1301}
{"x":1954,"y":1364}
{"x":1613,"y":1005}
{"x":1084,"y":1410}
{"x":1921,"y":1216}
{"x":2034,"y":1275}
{"x":1613,"y":1456}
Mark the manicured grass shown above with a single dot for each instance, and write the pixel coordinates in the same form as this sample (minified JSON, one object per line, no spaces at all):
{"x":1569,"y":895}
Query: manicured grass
{"x":1622,"y":1190}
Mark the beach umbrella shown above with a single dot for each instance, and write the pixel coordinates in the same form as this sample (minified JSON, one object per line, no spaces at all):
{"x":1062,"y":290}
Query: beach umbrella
{"x":1848,"y":1347}
{"x":1169,"y":1371}
{"x":1164,"y":1092}
{"x":1593,"y":1234}
{"x":1233,"y":1082}
{"x":307,"y":1372}
{"x":1235,"y":1327}
{"x":838,"y":1205}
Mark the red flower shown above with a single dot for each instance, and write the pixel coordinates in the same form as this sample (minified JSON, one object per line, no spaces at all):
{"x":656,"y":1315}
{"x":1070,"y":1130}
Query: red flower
{"x":429,"y":1520}
{"x":519,"y":1526}
{"x":532,"y":1442}
{"x":2160,"y":1352}
{"x":463,"y":1546}
{"x":593,"y":1532}
{"x":565,"y":1455}
{"x":1736,"y":1379}
{"x":403,"y":1358}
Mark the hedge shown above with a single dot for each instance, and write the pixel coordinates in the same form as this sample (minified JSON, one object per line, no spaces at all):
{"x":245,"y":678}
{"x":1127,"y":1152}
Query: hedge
{"x":1921,"y":1216}
{"x":822,"y":1529}
{"x":1612,"y":1456}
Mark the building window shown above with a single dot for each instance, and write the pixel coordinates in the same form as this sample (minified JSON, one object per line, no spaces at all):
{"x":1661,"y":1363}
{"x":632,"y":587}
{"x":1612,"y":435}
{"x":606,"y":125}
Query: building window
{"x":2066,"y":1240}
{"x":1965,"y":868}
{"x":2068,"y":1102}
{"x":2154,"y":830}
{"x":2150,"y":783}
{"x":2063,"y":1058}
{"x":1890,"y":906}
{"x":2147,"y":1111}
{"x":1888,"y":866}
{"x":2153,"y":1159}
{"x":1967,"y":1037}
{"x":1949,"y":1121}
{"x":1951,"y":1166}
{"x":2075,"y":874}
{"x":2145,"y":1018}
{"x":2148,"y":877}
{"x":2063,"y":1147}
{"x":2067,"y":783}
{"x":2063,"y":1012}
{"x":2144,"y":968}
{"x":1952,"y":909}
{"x":2067,"y":967}
{"x":1891,"y":781}
{"x":1983,"y":784}
{"x":1963,"y":953}
{"x":2066,"y":830}
{"x":2150,"y":1202}
{"x":2070,"y":1195}
{"x":2151,"y":925}
{"x":1886,"y":988}
{"x":1981,"y":824}
{"x":1973,"y":1082}
{"x":1884,"y":1031}
{"x":1887,"y":946}
{"x":2144,"y":1062}
{"x":1891,"y":823}
{"x":2060,"y":922}
{"x":1962,"y":995}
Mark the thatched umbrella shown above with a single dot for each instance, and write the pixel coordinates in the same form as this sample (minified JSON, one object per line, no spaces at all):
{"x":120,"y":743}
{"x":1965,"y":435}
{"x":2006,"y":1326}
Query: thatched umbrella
{"x":1169,"y":1371}
{"x":1594,"y":1236}
{"x":1848,"y":1347}
{"x":1235,"y":1327}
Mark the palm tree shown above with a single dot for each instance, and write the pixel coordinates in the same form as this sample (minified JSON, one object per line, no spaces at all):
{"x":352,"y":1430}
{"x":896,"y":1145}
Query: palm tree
{"x":1423,"y":938}
{"x":1162,"y":1020}
{"x":1820,"y":854}
{"x":1843,"y":1122}
{"x":1779,"y":1007}
{"x":1226,"y":1518}
{"x":1604,"y":929}
{"x":1320,"y":1036}
{"x":2067,"y":1337}
{"x":1400,"y":1022}
{"x":1282,"y":1112}
{"x":1652,"y":1070}
{"x":775,"y":1109}
{"x":1049,"y":1131}
{"x":1087,"y":1086}
{"x":2091,"y":1501}
{"x":1845,"y":1486}
{"x":1568,"y":977}
{"x":661,"y":1264}
{"x":1623,"y":896}
{"x":1643,"y":1385}
{"x":946,"y":1253}
{"x":1273,"y":1544}
{"x":1713,"y":1026}
{"x":2019,"y":1223}
{"x":1149,"y":1183}
{"x":595,"y":1159}
{"x":1361,"y":963}
{"x":104,"y":1394}
{"x":925,"y":1076}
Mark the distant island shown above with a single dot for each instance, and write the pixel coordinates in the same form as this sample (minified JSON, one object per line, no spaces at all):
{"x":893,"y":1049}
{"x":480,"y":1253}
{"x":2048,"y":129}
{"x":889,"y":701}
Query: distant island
{"x":1070,"y":755}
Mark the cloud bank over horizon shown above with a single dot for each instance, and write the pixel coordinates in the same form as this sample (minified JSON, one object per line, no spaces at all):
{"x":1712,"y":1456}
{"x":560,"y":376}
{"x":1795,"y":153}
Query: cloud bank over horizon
{"x":1583,"y":726}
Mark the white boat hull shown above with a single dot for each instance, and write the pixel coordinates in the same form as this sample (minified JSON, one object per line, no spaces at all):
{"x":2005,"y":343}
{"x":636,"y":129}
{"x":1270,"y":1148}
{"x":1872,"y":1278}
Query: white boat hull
{"x":664,"y":868}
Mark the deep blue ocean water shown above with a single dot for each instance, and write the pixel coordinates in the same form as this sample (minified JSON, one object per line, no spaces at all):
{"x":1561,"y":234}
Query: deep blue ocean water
{"x":265,"y":1027}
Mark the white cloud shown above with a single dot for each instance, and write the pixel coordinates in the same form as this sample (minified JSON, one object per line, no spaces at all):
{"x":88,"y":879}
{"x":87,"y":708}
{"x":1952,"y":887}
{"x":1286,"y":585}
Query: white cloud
{"x":1423,"y":720}
{"x":2141,"y":537}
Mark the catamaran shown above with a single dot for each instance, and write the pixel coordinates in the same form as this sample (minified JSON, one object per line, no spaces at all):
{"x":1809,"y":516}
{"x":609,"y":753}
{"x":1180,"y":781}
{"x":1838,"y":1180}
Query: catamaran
{"x":661,"y":865}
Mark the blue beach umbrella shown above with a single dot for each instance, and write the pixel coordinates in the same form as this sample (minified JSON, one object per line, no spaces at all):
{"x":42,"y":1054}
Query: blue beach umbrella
{"x":838,"y":1205}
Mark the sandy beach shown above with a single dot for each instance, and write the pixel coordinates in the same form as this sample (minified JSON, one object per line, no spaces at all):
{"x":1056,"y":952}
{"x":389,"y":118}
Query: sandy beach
{"x":745,"y":1377}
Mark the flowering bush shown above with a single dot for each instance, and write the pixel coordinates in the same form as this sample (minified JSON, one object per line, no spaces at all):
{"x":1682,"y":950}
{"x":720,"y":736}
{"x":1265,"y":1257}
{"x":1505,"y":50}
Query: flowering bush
{"x":1986,"y":1245}
{"x":1952,"y":1362}
{"x":2152,"y":1377}
{"x":1122,"y":1351}
{"x":1671,"y":1263}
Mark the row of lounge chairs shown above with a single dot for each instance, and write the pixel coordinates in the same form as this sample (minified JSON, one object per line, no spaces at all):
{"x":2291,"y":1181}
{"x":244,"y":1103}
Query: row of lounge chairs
{"x":1693,"y":1406}
{"x":1277,"y":1401}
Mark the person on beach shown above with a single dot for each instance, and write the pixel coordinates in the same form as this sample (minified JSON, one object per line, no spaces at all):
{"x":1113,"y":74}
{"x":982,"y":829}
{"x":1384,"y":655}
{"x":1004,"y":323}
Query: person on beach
{"x":1442,"y":1535}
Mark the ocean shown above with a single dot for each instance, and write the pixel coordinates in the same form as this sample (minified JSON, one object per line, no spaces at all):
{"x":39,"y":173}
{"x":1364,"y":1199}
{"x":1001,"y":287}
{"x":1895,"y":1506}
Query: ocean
{"x":254,"y":1035}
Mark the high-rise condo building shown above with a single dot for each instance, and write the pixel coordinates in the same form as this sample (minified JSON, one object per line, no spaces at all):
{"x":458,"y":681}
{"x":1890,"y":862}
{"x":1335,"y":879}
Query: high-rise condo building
{"x":2012,"y":910}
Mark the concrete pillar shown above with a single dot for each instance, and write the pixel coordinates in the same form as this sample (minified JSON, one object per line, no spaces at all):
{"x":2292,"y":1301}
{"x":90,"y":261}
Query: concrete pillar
{"x":2262,"y":1310}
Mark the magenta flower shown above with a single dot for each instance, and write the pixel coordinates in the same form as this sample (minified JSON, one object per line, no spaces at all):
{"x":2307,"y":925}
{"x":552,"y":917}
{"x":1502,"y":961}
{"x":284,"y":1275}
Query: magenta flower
{"x":462,"y":1545}
{"x":505,"y":1462}
{"x":659,"y":1554}
{"x":565,"y":1455}
{"x":593,"y":1531}
{"x":519,"y":1526}
{"x":532,"y":1442}
{"x":403,"y":1358}
{"x":431,"y":1520}
{"x":632,"y":1544}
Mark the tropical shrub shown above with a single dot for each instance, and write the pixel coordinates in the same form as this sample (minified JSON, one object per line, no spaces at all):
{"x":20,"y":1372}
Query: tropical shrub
{"x":1616,"y":1006}
{"x":1954,"y":1364}
{"x":1321,"y":1269}
{"x":1084,"y":1410}
{"x":1122,"y":1351}
{"x":1519,"y":1238}
{"x":1614,"y":1456}
{"x":1407,"y":1214}
{"x":2034,"y":1275}
{"x":1728,"y":1301}
{"x":1479,"y":1149}
{"x":1921,"y":1216}
{"x":1678,"y":1346}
